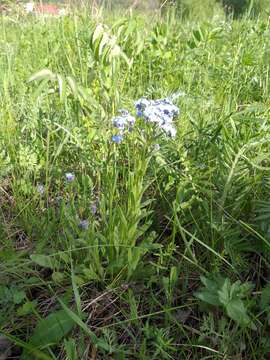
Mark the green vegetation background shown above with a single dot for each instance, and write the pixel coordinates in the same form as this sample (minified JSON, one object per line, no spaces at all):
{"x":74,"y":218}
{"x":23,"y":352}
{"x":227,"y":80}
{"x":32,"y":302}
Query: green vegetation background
{"x":175,"y":261}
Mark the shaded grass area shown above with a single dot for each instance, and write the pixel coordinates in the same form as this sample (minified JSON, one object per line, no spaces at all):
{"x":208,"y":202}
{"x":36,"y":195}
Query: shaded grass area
{"x":174,"y":260}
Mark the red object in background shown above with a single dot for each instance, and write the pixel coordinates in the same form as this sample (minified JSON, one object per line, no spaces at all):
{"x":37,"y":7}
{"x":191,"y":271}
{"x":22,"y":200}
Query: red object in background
{"x":46,"y":9}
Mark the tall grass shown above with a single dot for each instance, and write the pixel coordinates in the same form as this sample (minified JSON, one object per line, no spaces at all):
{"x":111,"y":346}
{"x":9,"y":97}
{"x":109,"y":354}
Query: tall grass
{"x":151,"y":251}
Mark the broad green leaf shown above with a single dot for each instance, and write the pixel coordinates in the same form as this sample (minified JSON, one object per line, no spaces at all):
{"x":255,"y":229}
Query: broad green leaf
{"x":90,"y":274}
{"x":58,"y":277}
{"x":43,"y":260}
{"x":27,"y":308}
{"x":29,"y":349}
{"x":52,"y":329}
{"x":237,"y":311}
{"x":208,"y":297}
{"x":18,"y":296}
{"x":224,"y":293}
{"x":212,"y":285}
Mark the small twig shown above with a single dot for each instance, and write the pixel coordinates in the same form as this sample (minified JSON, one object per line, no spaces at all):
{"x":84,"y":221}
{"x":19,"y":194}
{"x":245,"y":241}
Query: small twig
{"x":96,"y":300}
{"x":163,"y":4}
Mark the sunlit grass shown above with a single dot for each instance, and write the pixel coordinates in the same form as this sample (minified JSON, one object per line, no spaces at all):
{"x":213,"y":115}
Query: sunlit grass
{"x":148,"y":246}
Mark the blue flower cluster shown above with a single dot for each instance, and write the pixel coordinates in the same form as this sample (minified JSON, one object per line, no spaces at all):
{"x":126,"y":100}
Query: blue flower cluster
{"x":161,"y":112}
{"x":122,"y":122}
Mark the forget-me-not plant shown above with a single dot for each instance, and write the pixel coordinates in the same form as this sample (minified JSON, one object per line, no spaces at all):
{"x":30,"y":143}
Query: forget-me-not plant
{"x":124,"y":120}
{"x":69,"y":177}
{"x":117,"y":139}
{"x":162,"y":112}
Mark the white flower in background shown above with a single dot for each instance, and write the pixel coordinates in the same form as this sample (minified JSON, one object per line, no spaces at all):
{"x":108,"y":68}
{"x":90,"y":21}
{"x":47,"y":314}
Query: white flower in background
{"x":40,"y":189}
{"x":62,"y":12}
{"x":29,"y":7}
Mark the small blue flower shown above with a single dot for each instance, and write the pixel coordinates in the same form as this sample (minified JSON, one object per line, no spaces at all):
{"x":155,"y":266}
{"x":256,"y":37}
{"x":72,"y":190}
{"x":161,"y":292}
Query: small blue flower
{"x":93,"y":208}
{"x":117,"y":138}
{"x":119,"y":122}
{"x":84,"y":224}
{"x":156,"y":147}
{"x":123,"y":121}
{"x":70,"y":177}
{"x":40,"y":189}
{"x":142,"y":103}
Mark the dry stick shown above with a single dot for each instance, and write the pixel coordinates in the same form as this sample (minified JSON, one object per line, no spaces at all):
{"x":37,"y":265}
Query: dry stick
{"x":96,"y":299}
{"x":163,"y":4}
